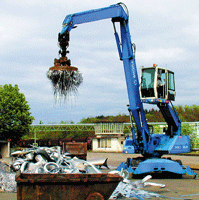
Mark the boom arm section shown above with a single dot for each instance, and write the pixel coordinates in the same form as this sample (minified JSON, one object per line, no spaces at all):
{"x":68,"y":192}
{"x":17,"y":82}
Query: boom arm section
{"x":118,"y":13}
{"x":112,"y":11}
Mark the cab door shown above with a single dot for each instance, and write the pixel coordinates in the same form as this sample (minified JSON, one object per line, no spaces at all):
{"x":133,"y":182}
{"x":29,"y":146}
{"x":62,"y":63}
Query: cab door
{"x":171,"y":86}
{"x":148,"y":82}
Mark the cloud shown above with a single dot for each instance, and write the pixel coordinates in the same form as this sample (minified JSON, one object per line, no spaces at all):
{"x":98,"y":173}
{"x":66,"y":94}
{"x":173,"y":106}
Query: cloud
{"x":15,"y":28}
{"x":159,"y":55}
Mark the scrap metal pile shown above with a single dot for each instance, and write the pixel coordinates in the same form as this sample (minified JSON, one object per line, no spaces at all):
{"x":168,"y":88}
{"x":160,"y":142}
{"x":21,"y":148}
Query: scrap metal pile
{"x":45,"y":160}
{"x":50,"y":160}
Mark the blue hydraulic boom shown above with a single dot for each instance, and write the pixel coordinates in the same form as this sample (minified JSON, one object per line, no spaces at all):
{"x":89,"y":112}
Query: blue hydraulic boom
{"x":151,"y":146}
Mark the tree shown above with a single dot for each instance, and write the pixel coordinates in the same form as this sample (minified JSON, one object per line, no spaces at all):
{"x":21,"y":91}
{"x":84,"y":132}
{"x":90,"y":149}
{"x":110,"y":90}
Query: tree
{"x":15,"y":117}
{"x":192,"y":133}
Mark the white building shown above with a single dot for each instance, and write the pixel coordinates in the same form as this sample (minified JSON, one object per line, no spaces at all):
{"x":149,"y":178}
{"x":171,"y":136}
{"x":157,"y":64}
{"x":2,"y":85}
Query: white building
{"x":109,"y":137}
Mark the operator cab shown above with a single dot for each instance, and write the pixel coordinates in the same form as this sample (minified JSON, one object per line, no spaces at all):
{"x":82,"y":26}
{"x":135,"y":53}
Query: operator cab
{"x":157,"y":84}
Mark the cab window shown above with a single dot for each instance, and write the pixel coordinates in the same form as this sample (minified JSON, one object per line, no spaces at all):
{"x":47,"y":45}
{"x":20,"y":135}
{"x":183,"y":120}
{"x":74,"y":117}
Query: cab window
{"x":171,"y":81}
{"x":147,"y":84}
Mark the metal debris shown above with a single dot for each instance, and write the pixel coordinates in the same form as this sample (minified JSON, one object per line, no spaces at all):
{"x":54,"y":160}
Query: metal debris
{"x":64,"y":82}
{"x":130,"y":189}
{"x":100,"y":162}
{"x":65,"y":78}
{"x":50,"y":160}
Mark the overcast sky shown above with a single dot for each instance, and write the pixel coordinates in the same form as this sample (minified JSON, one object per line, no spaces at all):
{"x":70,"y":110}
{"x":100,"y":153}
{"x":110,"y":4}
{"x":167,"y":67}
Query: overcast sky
{"x":165,"y":32}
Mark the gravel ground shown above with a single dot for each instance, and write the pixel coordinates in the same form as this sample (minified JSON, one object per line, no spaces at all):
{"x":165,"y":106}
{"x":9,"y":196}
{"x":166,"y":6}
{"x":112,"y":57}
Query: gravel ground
{"x":175,"y":188}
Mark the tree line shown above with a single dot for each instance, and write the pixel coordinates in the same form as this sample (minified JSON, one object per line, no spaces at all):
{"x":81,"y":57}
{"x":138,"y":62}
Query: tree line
{"x":186,"y":114}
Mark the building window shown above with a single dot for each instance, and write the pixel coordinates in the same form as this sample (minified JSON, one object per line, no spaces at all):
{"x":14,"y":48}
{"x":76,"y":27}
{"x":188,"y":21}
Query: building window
{"x":104,"y":143}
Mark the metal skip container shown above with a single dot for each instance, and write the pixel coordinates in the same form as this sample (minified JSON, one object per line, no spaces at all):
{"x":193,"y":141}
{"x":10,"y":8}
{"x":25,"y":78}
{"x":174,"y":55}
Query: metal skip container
{"x":98,"y":186}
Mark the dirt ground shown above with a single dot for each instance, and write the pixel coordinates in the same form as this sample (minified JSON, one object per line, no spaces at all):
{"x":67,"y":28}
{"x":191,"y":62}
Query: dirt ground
{"x":175,"y":188}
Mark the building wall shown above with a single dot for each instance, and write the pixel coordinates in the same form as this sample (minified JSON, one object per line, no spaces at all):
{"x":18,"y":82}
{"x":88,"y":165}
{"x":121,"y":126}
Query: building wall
{"x":107,"y":144}
{"x":109,"y":137}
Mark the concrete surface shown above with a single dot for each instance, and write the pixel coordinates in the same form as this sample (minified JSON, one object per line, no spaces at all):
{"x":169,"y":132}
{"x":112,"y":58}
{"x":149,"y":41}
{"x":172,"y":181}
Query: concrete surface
{"x":175,"y":188}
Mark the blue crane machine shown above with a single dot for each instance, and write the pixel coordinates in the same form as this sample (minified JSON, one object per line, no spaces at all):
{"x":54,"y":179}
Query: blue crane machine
{"x":156,"y":86}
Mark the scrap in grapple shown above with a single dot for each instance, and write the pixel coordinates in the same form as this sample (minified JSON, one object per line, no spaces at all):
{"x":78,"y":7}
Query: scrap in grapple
{"x":65,"y":79}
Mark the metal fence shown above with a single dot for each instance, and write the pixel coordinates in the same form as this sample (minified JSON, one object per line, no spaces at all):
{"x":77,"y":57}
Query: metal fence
{"x":100,"y":127}
{"x":63,"y":127}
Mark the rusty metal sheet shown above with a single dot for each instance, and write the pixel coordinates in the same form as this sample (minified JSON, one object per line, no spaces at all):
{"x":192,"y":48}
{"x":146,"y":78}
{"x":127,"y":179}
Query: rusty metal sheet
{"x":66,"y":186}
{"x":78,"y":149}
